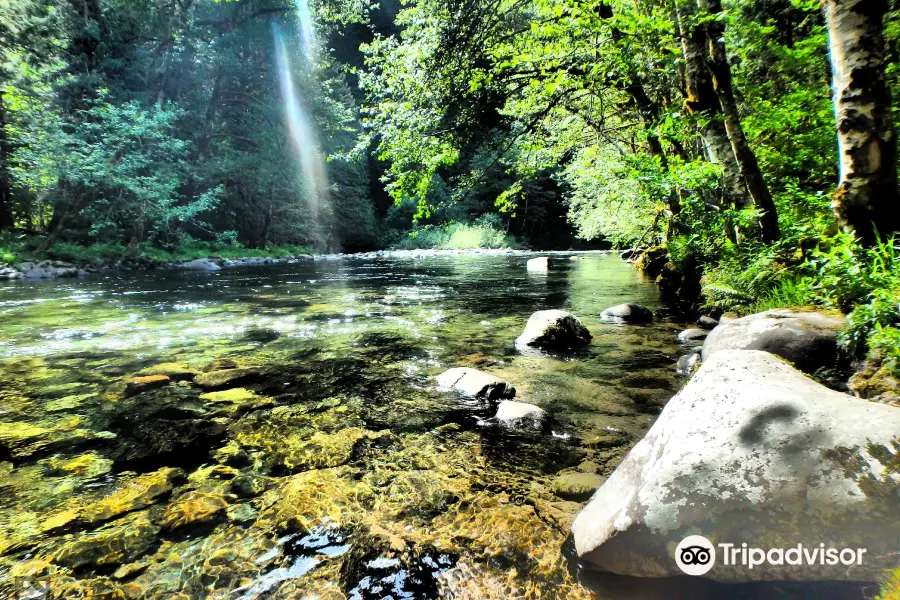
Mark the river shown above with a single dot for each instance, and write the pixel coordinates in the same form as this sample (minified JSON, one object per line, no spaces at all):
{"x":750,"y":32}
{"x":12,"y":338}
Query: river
{"x":328,"y":466}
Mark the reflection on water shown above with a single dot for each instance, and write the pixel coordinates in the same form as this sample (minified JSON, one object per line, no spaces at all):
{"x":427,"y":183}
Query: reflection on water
{"x":274,"y":432}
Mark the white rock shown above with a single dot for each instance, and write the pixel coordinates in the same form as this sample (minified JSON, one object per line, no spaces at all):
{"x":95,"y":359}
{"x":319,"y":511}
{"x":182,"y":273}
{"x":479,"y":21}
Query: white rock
{"x":519,"y":414}
{"x":540,"y":264}
{"x":475,"y":383}
{"x":752,"y":451}
{"x":692,"y":335}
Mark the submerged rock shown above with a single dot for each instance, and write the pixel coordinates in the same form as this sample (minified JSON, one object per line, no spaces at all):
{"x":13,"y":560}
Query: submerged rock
{"x":627,"y":313}
{"x":322,"y":450}
{"x":133,"y":494}
{"x":475,"y":383}
{"x":538,"y":265}
{"x":141,"y":384}
{"x":118,"y":543}
{"x":215,"y":379}
{"x":807,"y":338}
{"x":174,"y":371}
{"x":521,"y":414}
{"x":752,"y":450}
{"x":193,"y":508}
{"x":576,"y":486}
{"x":554,"y":330}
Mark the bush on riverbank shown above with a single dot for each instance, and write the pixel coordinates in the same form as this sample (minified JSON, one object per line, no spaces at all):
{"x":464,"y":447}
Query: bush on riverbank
{"x":16,"y":250}
{"x":457,"y":236}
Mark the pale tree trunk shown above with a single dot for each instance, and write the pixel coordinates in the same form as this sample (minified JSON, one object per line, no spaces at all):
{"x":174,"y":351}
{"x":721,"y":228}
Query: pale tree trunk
{"x":866,"y":199}
{"x":717,"y":62}
{"x":701,"y":100}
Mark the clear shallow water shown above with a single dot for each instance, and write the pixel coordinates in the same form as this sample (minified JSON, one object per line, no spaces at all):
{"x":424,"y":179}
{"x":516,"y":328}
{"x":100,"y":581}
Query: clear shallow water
{"x":329,"y":466}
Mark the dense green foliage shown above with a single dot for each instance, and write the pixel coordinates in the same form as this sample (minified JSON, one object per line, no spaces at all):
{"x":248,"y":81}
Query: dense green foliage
{"x":164,"y":124}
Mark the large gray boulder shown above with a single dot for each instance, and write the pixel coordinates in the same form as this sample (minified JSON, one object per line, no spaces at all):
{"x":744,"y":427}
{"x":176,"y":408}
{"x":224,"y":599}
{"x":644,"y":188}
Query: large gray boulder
{"x":752,"y":451}
{"x":475,"y":384}
{"x":627,"y":313}
{"x":807,"y":338}
{"x":553,"y":330}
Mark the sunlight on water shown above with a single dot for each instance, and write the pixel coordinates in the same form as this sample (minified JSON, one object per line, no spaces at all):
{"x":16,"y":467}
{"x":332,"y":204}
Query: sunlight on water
{"x":304,"y":141}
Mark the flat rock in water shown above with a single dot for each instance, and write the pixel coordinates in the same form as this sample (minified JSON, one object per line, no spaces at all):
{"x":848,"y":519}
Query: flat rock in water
{"x":215,"y":379}
{"x":540,"y":264}
{"x":554,"y":330}
{"x":807,"y":338}
{"x":627,"y":313}
{"x":174,"y":371}
{"x":692,"y":335}
{"x":118,"y":543}
{"x":475,"y":383}
{"x":520,"y":414}
{"x":141,"y":384}
{"x":752,"y":451}
{"x":192,"y":508}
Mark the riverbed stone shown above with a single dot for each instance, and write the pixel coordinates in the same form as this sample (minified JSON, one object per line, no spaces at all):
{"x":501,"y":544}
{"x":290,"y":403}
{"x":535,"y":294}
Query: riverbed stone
{"x":692,"y":335}
{"x":554,"y":330}
{"x":538,"y":265}
{"x":521,"y":414}
{"x":576,"y":486}
{"x":627,"y":313}
{"x":687,"y":363}
{"x":807,"y":338}
{"x":707,"y":322}
{"x":174,"y":371}
{"x":475,"y":384}
{"x":136,"y":385}
{"x":752,"y":450}
{"x":215,"y":379}
{"x":193,"y":508}
{"x":133,"y":494}
{"x":118,"y":543}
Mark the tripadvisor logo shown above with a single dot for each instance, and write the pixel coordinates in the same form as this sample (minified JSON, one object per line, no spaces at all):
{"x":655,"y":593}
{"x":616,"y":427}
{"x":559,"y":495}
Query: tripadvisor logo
{"x":696,"y":555}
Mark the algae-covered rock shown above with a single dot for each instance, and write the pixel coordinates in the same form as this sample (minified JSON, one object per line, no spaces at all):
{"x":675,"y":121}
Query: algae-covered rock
{"x":553,"y":330}
{"x":193,"y":508}
{"x":234,"y":395}
{"x":117,"y":543}
{"x":133,"y":494}
{"x":87,"y":465}
{"x":141,"y":384}
{"x":174,"y":371}
{"x":322,"y":450}
{"x":300,"y":502}
{"x":576,"y":486}
{"x":215,"y":379}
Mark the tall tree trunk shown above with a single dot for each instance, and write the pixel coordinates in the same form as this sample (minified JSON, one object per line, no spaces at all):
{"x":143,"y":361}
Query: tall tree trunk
{"x":717,"y":62}
{"x":701,"y":99}
{"x":6,"y":209}
{"x":866,"y":197}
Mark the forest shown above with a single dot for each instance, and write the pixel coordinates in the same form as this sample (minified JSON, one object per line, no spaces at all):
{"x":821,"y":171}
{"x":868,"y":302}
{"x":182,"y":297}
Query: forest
{"x":703,"y":131}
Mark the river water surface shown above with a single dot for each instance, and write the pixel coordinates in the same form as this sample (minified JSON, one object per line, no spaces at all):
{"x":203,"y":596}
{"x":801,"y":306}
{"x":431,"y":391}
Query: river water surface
{"x":300,"y":448}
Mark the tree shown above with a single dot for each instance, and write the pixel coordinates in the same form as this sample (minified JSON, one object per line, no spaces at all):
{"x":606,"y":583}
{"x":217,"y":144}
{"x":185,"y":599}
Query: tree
{"x":866,"y":199}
